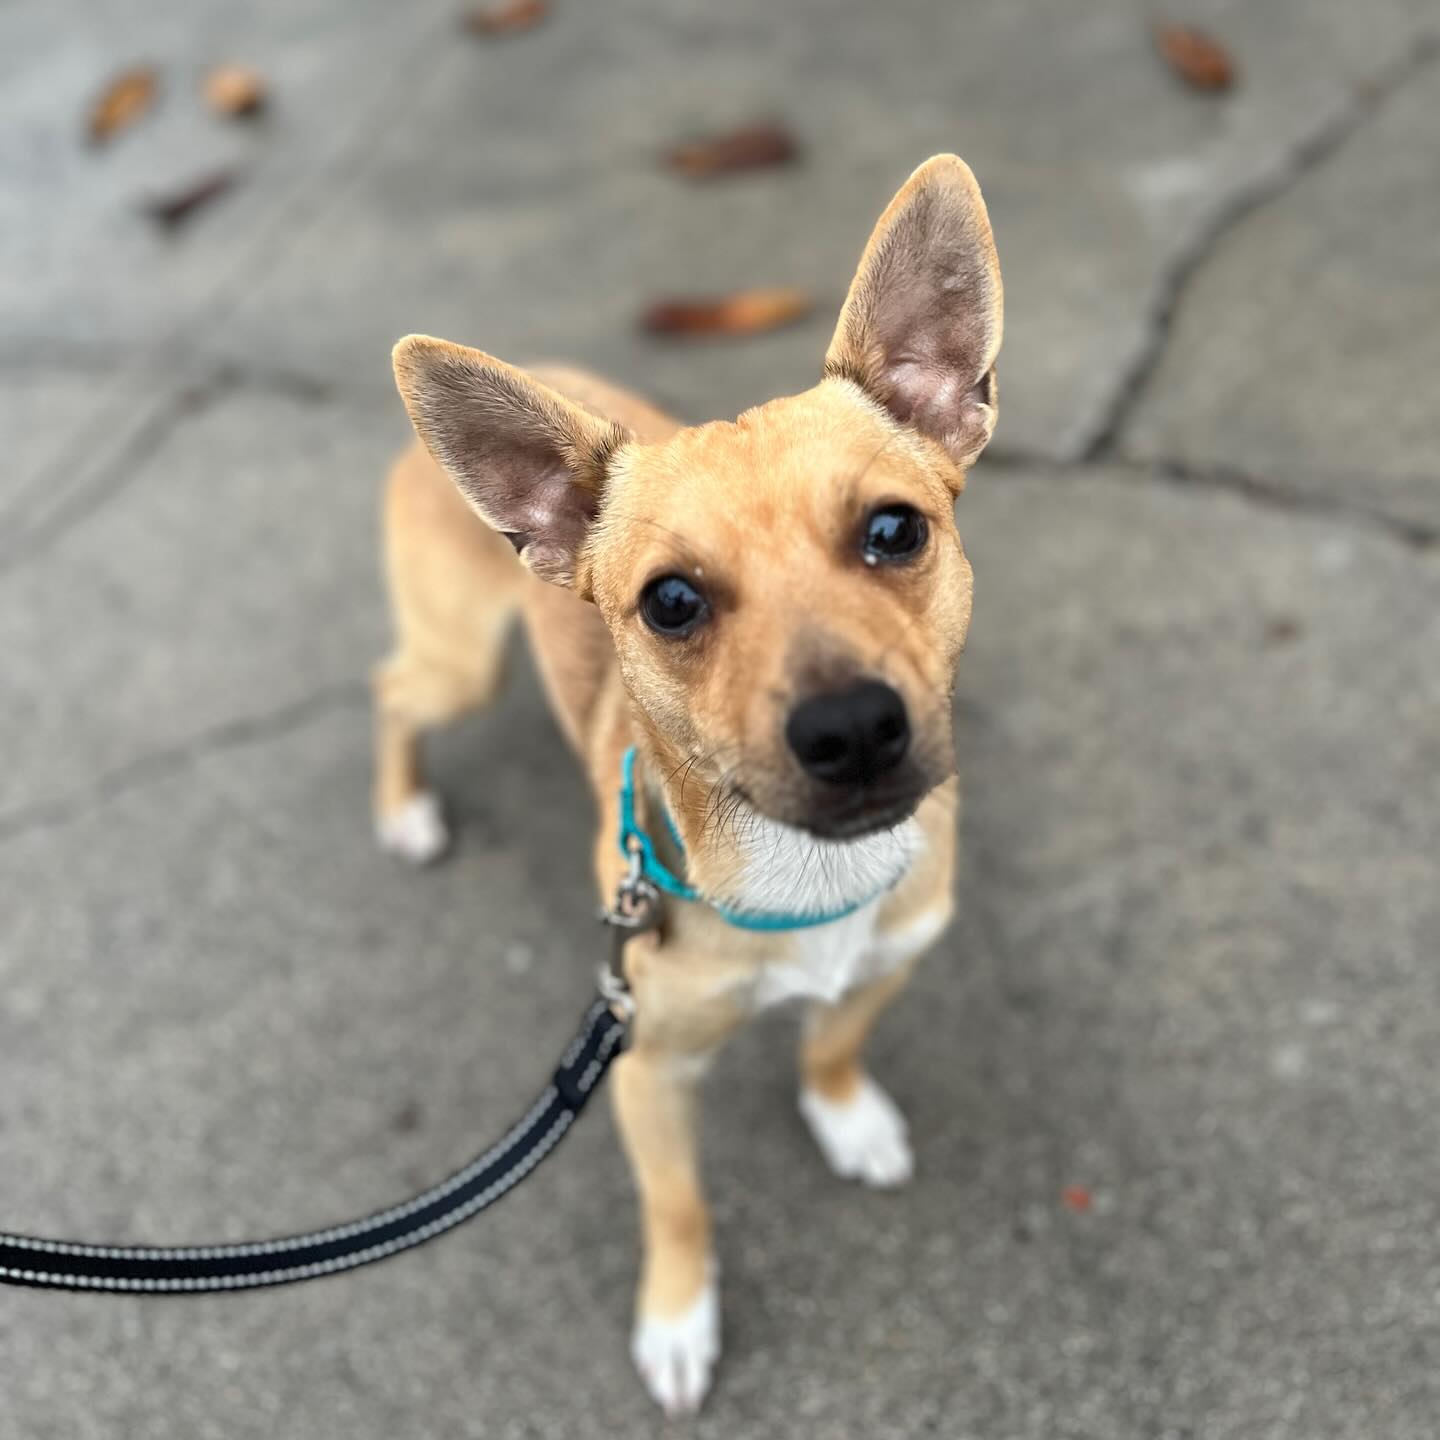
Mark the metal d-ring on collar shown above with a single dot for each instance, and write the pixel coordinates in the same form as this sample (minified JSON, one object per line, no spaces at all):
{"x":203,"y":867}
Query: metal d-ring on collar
{"x":646,"y":866}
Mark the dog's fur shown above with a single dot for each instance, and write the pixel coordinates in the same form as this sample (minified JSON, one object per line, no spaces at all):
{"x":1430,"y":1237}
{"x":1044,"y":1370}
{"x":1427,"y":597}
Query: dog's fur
{"x":598,"y":494}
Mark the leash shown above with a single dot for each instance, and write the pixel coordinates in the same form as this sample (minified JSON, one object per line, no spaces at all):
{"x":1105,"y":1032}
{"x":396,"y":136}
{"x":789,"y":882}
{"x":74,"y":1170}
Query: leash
{"x":491,"y":1175}
{"x":198,"y":1269}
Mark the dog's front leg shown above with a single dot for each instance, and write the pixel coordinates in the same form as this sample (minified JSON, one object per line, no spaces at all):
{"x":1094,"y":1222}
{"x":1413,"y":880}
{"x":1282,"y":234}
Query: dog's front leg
{"x":858,"y":1127}
{"x":677,"y":1318}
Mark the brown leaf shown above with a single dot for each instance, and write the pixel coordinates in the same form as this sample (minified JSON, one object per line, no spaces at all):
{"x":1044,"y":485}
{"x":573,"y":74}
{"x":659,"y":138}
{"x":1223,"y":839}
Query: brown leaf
{"x":123,"y":101}
{"x":1282,"y":630}
{"x":408,"y":1118}
{"x":1201,"y":61}
{"x":748,"y":148}
{"x":235,"y":90}
{"x":747,"y":312}
{"x":506,"y":18}
{"x":173,"y":210}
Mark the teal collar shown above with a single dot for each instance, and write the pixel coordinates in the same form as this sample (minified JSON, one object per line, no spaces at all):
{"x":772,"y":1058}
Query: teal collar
{"x":634,"y":841}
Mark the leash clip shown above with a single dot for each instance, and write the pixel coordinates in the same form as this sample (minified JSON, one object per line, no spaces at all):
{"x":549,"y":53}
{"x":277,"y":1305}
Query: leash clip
{"x":636,"y":911}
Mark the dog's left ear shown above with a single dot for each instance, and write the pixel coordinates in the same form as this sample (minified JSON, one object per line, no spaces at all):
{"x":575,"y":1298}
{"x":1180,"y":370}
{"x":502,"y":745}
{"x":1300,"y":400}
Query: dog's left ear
{"x":531,"y":463}
{"x":922,"y":324}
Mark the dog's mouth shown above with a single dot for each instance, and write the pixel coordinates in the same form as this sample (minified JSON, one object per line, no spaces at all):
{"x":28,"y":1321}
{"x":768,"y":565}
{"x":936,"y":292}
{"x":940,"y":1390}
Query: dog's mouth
{"x":866,"y":819}
{"x":848,"y":814}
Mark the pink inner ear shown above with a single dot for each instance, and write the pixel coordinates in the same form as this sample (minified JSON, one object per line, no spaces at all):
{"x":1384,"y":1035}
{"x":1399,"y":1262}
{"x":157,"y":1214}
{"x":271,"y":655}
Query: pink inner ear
{"x":530,"y":462}
{"x":925,"y":394}
{"x":923,"y":321}
{"x":544,"y":514}
{"x":941,"y":402}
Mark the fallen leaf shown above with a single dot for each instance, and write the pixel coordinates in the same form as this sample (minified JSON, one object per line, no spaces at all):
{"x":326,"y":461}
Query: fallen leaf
{"x":1282,"y":630}
{"x":123,"y":101}
{"x":749,"y":148}
{"x":746,"y":312}
{"x":408,"y":1118}
{"x":173,"y":210}
{"x":507,"y":18}
{"x":1201,"y":61}
{"x":1077,"y":1198}
{"x":235,"y":90}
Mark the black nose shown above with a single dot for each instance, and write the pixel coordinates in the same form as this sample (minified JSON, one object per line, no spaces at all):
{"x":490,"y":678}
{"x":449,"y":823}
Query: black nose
{"x":851,"y":736}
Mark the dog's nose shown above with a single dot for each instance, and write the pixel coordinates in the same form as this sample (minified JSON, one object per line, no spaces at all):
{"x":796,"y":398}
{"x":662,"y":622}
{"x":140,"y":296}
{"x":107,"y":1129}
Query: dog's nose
{"x":850,"y":736}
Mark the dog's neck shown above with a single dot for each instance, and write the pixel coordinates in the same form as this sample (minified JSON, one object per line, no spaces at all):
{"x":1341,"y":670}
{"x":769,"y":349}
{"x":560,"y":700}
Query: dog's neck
{"x":745,"y":861}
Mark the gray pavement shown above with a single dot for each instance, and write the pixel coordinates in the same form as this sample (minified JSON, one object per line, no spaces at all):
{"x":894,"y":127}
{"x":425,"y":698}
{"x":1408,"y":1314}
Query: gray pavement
{"x":1195,"y":964}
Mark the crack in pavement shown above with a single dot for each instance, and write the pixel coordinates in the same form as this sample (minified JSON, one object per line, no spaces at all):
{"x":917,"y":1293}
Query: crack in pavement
{"x":121,"y":467}
{"x":1268,"y":492}
{"x":230,"y":374}
{"x":108,"y":479}
{"x":158,"y":765}
{"x":1274,"y":181}
{"x":1236,"y":481}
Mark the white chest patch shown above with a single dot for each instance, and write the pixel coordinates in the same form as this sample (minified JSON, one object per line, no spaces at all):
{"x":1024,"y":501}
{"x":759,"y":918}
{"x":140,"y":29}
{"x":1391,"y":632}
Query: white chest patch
{"x":823,"y":963}
{"x":831,"y":960}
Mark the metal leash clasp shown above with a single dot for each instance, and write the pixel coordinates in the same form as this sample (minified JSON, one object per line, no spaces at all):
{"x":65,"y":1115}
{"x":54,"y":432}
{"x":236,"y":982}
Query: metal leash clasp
{"x":636,"y":911}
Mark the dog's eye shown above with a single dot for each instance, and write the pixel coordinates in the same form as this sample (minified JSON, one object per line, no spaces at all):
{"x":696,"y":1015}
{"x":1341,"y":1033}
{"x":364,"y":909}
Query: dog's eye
{"x":894,"y":532}
{"x":671,"y":605}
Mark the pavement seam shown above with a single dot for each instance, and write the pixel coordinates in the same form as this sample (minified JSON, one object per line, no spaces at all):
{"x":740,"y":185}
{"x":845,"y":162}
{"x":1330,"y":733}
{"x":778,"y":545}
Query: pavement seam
{"x":107,"y":480}
{"x":1325,"y":139}
{"x":1268,"y":493}
{"x":155,"y":766}
{"x":120,"y":467}
{"x":89,"y":360}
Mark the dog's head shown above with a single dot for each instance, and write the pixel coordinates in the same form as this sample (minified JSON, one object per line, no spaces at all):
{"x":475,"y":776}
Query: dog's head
{"x":787,"y":593}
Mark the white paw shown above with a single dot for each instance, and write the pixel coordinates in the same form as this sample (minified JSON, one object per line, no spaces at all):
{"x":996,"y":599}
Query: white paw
{"x":865,"y":1139}
{"x":416,"y":831}
{"x":676,"y":1356}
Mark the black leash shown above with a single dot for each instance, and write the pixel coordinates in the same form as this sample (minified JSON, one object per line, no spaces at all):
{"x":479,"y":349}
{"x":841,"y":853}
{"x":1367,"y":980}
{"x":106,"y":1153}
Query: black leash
{"x":194,"y":1269}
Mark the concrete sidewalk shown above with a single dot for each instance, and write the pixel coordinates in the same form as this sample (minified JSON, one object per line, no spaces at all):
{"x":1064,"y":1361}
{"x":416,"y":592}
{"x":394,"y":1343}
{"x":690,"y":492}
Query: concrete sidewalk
{"x":1195,"y":966}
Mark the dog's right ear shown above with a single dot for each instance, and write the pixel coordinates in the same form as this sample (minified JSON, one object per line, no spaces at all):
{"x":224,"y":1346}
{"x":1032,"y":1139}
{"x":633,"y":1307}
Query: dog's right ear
{"x":530,"y":463}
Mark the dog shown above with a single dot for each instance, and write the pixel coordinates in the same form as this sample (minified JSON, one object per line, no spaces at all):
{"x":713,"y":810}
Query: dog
{"x":749,"y":634}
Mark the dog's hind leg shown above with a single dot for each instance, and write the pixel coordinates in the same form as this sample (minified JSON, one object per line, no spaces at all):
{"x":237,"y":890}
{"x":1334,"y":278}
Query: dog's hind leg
{"x":415,"y":693}
{"x":455,"y":589}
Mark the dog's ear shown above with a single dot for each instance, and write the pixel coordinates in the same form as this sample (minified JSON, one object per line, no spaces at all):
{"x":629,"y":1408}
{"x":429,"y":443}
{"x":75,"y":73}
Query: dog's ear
{"x":530,"y":463}
{"x":922,"y":323}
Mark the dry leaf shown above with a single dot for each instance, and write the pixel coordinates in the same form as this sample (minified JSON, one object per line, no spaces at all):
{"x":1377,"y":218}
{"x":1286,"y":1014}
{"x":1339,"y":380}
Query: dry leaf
{"x":173,"y":210}
{"x":1200,"y":61}
{"x":1282,"y":630}
{"x":235,"y":90}
{"x":749,"y":148}
{"x":123,"y":101}
{"x":744,"y":313}
{"x":506,"y":18}
{"x":1077,"y":1198}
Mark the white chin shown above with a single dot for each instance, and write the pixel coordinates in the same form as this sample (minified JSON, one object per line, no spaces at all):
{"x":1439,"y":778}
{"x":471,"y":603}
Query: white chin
{"x":787,"y":869}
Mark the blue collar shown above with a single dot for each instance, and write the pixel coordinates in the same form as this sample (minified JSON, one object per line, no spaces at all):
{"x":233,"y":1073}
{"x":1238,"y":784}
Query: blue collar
{"x":634,"y":840}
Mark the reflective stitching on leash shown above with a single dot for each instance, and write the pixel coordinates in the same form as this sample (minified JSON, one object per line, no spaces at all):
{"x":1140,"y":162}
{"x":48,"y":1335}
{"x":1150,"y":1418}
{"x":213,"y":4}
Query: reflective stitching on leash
{"x":315,"y":1237}
{"x":556,"y":1110}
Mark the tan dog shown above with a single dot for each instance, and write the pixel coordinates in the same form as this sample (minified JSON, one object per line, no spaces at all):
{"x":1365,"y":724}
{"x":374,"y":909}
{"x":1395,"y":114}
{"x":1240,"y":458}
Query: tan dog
{"x":771,"y":611}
